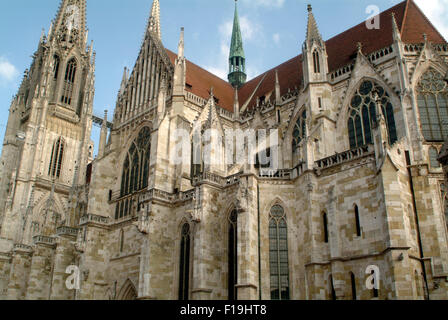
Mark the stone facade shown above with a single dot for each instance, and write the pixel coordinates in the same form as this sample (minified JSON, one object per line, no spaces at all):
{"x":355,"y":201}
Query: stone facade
{"x":381,"y":200}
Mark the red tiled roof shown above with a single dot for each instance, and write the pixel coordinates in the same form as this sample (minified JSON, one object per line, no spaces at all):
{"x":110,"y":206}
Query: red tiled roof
{"x":341,"y":50}
{"x":201,"y":81}
{"x":289,"y":76}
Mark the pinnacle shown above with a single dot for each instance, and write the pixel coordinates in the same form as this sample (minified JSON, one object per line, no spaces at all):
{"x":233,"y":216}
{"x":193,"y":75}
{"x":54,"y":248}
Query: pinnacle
{"x":312,"y":29}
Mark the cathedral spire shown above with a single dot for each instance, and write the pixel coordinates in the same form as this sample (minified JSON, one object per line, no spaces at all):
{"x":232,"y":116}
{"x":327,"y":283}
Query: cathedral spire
{"x":312,"y":32}
{"x":237,"y":59}
{"x":314,"y":52}
{"x":70,"y":23}
{"x":154,"y":19}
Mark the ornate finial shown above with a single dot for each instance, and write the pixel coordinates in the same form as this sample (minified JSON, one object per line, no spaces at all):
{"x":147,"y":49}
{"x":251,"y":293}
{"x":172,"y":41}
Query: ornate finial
{"x":425,"y":37}
{"x":310,"y":8}
{"x":211,"y":92}
{"x":359,"y":46}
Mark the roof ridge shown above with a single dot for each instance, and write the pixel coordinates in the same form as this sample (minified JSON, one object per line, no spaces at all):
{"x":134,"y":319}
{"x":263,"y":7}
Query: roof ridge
{"x":424,"y":17}
{"x":405,"y":15}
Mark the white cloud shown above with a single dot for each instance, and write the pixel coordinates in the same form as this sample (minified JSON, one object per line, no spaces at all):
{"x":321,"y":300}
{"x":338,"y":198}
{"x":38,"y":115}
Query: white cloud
{"x":8,"y":72}
{"x":276,"y":38}
{"x":264,"y":3}
{"x":437,"y":12}
{"x":249,"y":29}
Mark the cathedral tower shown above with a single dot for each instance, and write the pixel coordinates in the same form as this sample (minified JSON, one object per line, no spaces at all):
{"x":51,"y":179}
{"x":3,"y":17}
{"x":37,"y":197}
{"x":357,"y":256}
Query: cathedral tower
{"x":237,"y":59}
{"x":46,"y":147}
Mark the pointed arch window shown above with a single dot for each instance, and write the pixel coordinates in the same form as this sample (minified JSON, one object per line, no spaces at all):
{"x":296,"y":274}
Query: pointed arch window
{"x":121,"y":240}
{"x":278,"y":254}
{"x":332,"y":290}
{"x":184,"y":263}
{"x":362,"y":114}
{"x":135,"y":174}
{"x":69,"y":82}
{"x":316,"y":61}
{"x":353,"y":282}
{"x":375,"y":290}
{"x":432,"y":100}
{"x":57,"y":63}
{"x":299,"y":132}
{"x":325,"y":226}
{"x":233,"y":256}
{"x":57,"y":156}
{"x":357,"y":221}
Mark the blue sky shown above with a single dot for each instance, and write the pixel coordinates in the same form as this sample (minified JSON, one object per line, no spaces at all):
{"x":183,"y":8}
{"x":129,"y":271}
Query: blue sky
{"x":273,"y":32}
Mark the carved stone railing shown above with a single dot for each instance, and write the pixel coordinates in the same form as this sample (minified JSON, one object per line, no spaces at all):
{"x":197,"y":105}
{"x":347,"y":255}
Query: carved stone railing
{"x":380,"y":53}
{"x":282,"y":174}
{"x":413,"y":48}
{"x":22,"y":247}
{"x":88,"y":218}
{"x":172,"y":198}
{"x":208,"y":177}
{"x":441,"y":47}
{"x":225,"y":113}
{"x":343,"y":157}
{"x":233,"y":179}
{"x":44,"y":240}
{"x":194,"y":98}
{"x":67,"y":231}
{"x":347,"y":69}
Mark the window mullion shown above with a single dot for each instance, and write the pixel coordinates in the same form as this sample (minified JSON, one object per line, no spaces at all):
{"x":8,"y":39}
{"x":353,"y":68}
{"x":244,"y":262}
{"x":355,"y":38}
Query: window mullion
{"x":278,"y":261}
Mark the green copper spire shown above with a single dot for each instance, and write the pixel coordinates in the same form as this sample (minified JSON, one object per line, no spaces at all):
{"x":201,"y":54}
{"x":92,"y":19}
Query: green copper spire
{"x":237,"y":60}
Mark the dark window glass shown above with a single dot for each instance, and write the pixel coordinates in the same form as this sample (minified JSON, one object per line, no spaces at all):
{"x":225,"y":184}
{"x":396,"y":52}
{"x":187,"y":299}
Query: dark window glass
{"x":184,"y":267}
{"x":332,"y":290}
{"x":358,"y":223}
{"x":432,"y":93}
{"x":353,"y":281}
{"x":69,"y":82}
{"x":299,"y":132}
{"x":362,"y":113}
{"x":278,"y":254}
{"x":57,"y":62}
{"x":325,"y":227}
{"x":233,"y":256}
{"x":57,"y":155}
{"x":135,"y":172}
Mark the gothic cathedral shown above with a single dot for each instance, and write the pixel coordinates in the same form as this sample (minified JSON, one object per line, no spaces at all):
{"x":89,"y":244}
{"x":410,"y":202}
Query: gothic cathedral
{"x":355,"y":190}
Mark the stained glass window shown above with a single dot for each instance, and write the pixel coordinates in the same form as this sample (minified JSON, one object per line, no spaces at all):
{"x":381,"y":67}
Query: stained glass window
{"x":433,"y":106}
{"x":135,"y":172}
{"x":278,"y":254}
{"x":299,"y":132}
{"x":362,"y":114}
